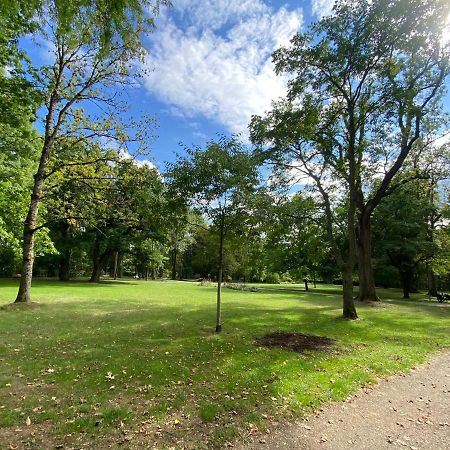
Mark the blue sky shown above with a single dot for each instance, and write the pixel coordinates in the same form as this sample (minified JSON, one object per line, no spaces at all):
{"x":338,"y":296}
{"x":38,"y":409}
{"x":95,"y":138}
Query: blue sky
{"x":210,"y":66}
{"x":209,"y":69}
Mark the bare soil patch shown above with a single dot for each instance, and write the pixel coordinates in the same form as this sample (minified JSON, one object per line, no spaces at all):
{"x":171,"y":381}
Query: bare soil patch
{"x":296,"y":342}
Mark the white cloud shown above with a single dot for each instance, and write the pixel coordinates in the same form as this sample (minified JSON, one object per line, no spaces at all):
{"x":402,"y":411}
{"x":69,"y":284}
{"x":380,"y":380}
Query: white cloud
{"x":214,"y":14}
{"x":124,"y":154}
{"x":225,"y":76}
{"x":446,"y":32}
{"x":321,"y":8}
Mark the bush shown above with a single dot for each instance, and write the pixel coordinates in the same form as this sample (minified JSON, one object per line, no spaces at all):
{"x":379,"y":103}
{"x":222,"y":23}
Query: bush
{"x":339,"y":282}
{"x":273,"y":278}
{"x":286,"y":278}
{"x":241,"y":287}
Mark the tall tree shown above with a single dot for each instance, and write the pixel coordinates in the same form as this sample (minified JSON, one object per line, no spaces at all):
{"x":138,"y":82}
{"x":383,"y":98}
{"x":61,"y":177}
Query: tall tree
{"x":372,"y":69}
{"x":402,"y":231}
{"x":217,"y":181}
{"x":85,"y":68}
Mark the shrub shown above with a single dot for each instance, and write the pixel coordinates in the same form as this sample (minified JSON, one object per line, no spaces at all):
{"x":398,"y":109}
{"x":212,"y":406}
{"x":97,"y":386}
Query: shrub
{"x":272,"y":278}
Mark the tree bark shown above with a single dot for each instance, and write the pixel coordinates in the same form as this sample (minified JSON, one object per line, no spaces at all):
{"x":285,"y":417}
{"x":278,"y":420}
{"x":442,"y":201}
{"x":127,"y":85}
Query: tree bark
{"x":406,"y":277}
{"x":64,"y":265}
{"x":432,"y":284}
{"x":65,"y":253}
{"x":367,"y":289}
{"x":29,"y":227}
{"x":349,"y":310}
{"x":96,"y":264}
{"x":116,"y":263}
{"x":23,"y":296}
{"x":348,"y":303}
{"x":219,"y":279}
{"x":174,"y":263}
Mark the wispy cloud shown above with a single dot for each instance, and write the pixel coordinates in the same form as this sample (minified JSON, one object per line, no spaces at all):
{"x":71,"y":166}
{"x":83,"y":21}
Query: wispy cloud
{"x":321,"y":8}
{"x":213,"y":58}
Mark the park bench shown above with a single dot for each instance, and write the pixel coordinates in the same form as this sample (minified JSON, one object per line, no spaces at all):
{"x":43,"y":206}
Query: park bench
{"x":441,"y":297}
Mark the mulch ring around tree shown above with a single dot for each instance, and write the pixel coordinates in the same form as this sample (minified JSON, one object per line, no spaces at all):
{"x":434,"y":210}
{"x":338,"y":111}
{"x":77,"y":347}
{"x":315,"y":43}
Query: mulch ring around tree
{"x":296,"y":342}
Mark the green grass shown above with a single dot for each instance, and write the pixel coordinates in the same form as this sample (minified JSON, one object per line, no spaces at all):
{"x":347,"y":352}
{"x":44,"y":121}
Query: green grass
{"x":137,"y":363}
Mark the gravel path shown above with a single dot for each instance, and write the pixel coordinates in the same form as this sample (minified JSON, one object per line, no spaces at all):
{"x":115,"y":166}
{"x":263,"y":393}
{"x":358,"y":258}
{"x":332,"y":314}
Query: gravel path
{"x":403,"y":412}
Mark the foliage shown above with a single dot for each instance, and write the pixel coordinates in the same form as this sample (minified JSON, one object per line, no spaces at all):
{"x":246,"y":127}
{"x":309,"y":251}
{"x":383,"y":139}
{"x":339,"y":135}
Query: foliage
{"x":216,"y":180}
{"x":365,"y":85}
{"x":401,"y":231}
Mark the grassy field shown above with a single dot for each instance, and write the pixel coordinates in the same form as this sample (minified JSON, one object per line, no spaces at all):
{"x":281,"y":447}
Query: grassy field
{"x":137,"y":363}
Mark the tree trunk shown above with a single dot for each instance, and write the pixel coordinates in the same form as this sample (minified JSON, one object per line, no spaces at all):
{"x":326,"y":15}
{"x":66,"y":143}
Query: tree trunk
{"x":23,"y":296}
{"x":349,"y":310}
{"x":406,"y":277}
{"x":96,"y":263}
{"x":348,"y":304}
{"x":174,"y":263}
{"x":116,"y":263}
{"x":367,"y":290}
{"x":64,"y":265}
{"x":120,"y":266}
{"x":65,"y":253}
{"x":219,"y":280}
{"x":432,"y":285}
{"x":29,"y":227}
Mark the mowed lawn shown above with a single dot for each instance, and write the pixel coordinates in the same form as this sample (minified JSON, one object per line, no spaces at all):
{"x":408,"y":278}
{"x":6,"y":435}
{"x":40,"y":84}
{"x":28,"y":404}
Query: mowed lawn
{"x":137,"y":363}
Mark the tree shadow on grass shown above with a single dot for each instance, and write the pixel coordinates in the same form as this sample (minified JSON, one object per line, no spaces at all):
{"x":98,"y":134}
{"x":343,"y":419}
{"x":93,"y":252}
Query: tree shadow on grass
{"x":169,"y":343}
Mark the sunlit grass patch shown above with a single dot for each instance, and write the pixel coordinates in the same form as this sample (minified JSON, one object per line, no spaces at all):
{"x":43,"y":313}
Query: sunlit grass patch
{"x":139,"y":360}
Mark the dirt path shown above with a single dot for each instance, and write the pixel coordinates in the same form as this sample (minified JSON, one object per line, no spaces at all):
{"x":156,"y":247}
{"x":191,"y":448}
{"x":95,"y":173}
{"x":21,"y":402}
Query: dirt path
{"x":406,"y":411}
{"x":386,"y":300}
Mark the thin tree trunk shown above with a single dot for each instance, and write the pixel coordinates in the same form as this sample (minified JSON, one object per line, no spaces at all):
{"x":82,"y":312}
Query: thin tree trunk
{"x":120,"y":266}
{"x":65,"y":253}
{"x":96,"y":264}
{"x":29,"y":227}
{"x":116,"y":261}
{"x":174,"y":263}
{"x":23,"y":296}
{"x":219,"y":280}
{"x":64,"y":265}
{"x":432,"y":284}
{"x":367,"y":289}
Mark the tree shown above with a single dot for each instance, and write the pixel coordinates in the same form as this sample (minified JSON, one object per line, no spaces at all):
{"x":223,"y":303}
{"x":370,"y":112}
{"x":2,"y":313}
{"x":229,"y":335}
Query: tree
{"x":182,"y":226}
{"x":85,"y":69}
{"x":132,"y":219}
{"x":296,"y":238}
{"x":371,"y":70}
{"x":216,"y":181}
{"x":401,"y":231}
